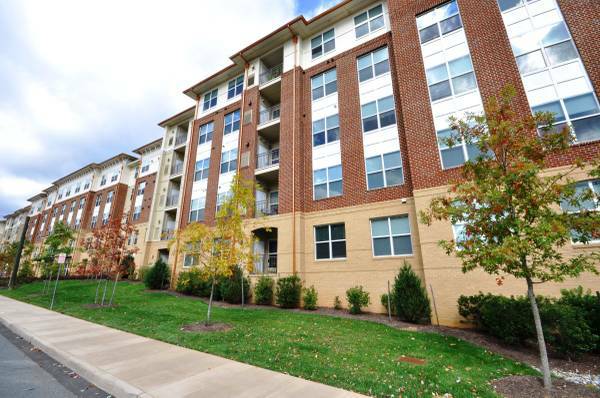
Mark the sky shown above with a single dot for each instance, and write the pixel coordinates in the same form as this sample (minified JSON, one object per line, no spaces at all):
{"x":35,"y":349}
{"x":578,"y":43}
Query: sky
{"x":81,"y":81}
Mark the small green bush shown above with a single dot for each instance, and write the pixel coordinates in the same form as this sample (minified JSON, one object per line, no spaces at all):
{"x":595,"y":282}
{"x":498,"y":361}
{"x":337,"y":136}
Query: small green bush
{"x":357,"y":299}
{"x":587,"y":304}
{"x":231,"y":287}
{"x":263,"y":291}
{"x":25,"y":271}
{"x":469,"y":307}
{"x":157,"y":276}
{"x":337,"y":303}
{"x":410,"y":297}
{"x":127,"y":267}
{"x":566,"y":330}
{"x":142,"y":272}
{"x":508,"y":318}
{"x":310,"y":298}
{"x":193,"y":282}
{"x":288,"y":292}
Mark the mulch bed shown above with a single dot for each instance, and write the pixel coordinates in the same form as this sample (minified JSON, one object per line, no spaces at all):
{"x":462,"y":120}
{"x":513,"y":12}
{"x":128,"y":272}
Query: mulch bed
{"x":532,"y":387}
{"x":201,"y":327}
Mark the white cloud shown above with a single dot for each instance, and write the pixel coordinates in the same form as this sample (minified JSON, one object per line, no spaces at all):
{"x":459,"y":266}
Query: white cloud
{"x":21,"y":188}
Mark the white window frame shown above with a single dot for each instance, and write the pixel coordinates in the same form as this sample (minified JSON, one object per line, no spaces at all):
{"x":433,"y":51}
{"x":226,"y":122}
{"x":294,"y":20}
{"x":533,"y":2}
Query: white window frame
{"x":206,"y":130}
{"x":228,"y":127}
{"x":371,"y":56}
{"x":237,"y":88}
{"x":391,"y":236}
{"x":438,"y":21}
{"x":321,"y":43}
{"x":326,"y":129}
{"x":330,"y":241}
{"x":368,"y":21}
{"x":383,"y":171}
{"x":204,"y":171}
{"x":321,"y":77}
{"x":230,"y":156}
{"x":596,"y":200}
{"x":328,"y":182}
{"x":201,"y":205}
{"x":378,"y":114}
{"x":209,"y":98}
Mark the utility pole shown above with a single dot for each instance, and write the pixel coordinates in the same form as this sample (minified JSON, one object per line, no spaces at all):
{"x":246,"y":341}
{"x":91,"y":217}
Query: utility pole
{"x":13,"y":277}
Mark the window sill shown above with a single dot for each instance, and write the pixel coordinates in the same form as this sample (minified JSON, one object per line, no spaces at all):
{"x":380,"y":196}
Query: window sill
{"x":322,"y":56}
{"x":380,"y":129}
{"x":329,"y":260}
{"x":392,"y":256}
{"x":584,"y":246}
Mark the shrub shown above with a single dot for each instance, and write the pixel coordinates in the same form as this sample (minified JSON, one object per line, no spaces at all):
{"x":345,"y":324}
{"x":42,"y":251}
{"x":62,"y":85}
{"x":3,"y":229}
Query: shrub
{"x":469,"y":307}
{"x":337,"y":303}
{"x":141,"y":273}
{"x":25,"y":271}
{"x":384,"y":302}
{"x":263,"y":291}
{"x":509,"y":319}
{"x":357,"y":299}
{"x":566,"y":329}
{"x":288,"y":292}
{"x":231,"y":287}
{"x":193,"y":282}
{"x":157,"y":276}
{"x":410,"y":297}
{"x":587,"y":304}
{"x":127,"y":267}
{"x":310,"y":298}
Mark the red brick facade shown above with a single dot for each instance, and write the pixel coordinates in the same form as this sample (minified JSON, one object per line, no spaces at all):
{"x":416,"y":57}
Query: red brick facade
{"x":150,"y":181}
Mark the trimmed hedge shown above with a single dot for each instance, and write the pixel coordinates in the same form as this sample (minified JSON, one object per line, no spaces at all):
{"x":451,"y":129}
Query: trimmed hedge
{"x":263,"y":291}
{"x":357,"y":299}
{"x":231,"y":287}
{"x":289,"y":290}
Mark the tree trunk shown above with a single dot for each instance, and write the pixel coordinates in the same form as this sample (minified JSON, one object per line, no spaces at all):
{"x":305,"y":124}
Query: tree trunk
{"x":210,"y":300}
{"x":114,"y":288}
{"x":540,"y":336}
{"x":104,"y":292}
{"x":243,"y":289}
{"x":97,"y":288}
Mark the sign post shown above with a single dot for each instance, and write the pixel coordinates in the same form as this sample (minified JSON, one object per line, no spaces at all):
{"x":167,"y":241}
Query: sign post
{"x":62,"y":257}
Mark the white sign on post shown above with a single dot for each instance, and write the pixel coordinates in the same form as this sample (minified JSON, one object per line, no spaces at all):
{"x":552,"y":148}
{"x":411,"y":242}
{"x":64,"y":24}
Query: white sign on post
{"x":62,"y":257}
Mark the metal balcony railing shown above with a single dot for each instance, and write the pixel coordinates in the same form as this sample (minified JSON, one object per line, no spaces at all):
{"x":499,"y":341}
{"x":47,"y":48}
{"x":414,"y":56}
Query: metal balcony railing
{"x":177,"y":169}
{"x":270,"y":114}
{"x":267,"y":159}
{"x":172,"y":200}
{"x":167,"y":234}
{"x":180,"y":139}
{"x":265,"y":264}
{"x":266,"y":208}
{"x":271,"y":74}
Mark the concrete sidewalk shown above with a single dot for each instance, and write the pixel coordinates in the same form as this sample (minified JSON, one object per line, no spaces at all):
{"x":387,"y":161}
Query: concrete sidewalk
{"x":127,"y":365}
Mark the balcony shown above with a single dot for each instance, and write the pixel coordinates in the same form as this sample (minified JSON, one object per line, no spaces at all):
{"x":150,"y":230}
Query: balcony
{"x":176,"y":169}
{"x":266,"y":208}
{"x":269,"y":115}
{"x":267,"y":159}
{"x":167,"y":234}
{"x":180,"y":140}
{"x":172,"y":200}
{"x":271,"y":74}
{"x":265,"y":264}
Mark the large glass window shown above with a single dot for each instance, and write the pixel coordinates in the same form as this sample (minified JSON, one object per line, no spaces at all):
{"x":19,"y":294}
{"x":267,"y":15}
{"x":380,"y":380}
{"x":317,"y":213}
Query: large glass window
{"x":324,"y":84}
{"x":459,"y":153}
{"x":206,"y":132}
{"x":326,"y":130}
{"x":330,"y":241}
{"x":439,"y":22}
{"x":210,"y":99}
{"x":373,"y":64}
{"x":378,"y":114}
{"x":391,"y":236}
{"x":235,"y":87}
{"x":451,"y":78}
{"x":201,"y":169}
{"x":323,"y":43}
{"x":384,"y":170}
{"x":232,"y":122}
{"x":327,"y":182}
{"x":229,"y":161}
{"x":593,"y":204}
{"x":369,"y":21}
{"x":197,"y":209}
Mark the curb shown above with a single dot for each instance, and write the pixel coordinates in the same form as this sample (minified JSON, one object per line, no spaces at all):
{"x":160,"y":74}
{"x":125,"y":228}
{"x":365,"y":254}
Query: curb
{"x":97,"y":376}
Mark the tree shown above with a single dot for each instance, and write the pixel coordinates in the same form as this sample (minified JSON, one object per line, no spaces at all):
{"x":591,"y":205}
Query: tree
{"x":59,"y":241}
{"x":107,"y":250}
{"x":510,"y":209}
{"x":410,"y":297}
{"x":218,"y":250}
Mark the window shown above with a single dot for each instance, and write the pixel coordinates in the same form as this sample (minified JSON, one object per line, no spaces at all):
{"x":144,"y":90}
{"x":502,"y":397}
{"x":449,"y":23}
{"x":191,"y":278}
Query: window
{"x":137,"y":212}
{"x":87,"y":185}
{"x":384,"y":170}
{"x":114,"y":177}
{"x":391,"y":236}
{"x":592,"y":204}
{"x":103,"y":180}
{"x":141,"y":188}
{"x":378,"y":114}
{"x":98,"y":199}
{"x":109,"y":197}
{"x":190,"y":260}
{"x":60,"y":195}
{"x":229,"y":161}
{"x":197,"y":209}
{"x":234,"y":88}
{"x":94,"y":221}
{"x":68,"y":193}
{"x":581,"y":111}
{"x":373,"y":64}
{"x":330,"y":241}
{"x":327,"y":182}
{"x":133,"y":238}
{"x":202,"y":167}
{"x":105,"y":218}
{"x":72,"y":206}
{"x":452,"y":78}
{"x":326,"y":130}
{"x":322,"y":44}
{"x":210,"y":99}
{"x":324,"y":84}
{"x":439,"y":22}
{"x":82,"y":203}
{"x":145,"y":167}
{"x":368,"y":21}
{"x":77,"y":187}
{"x":459,"y":153}
{"x":222,"y":198}
{"x":62,"y":210}
{"x":206,"y":132}
{"x":232,"y":122}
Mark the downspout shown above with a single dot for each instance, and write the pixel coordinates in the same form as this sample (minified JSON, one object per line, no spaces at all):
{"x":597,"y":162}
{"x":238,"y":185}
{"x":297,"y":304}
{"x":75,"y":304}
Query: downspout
{"x":183,"y":187}
{"x":295,"y":41}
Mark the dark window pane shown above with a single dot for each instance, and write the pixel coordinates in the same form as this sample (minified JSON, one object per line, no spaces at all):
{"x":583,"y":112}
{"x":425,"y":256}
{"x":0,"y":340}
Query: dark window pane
{"x":582,"y":105}
{"x":473,"y":152}
{"x":335,"y":188}
{"x":555,"y":34}
{"x":394,"y":177}
{"x":375,"y":180}
{"x":322,"y":250}
{"x":429,"y":33}
{"x":317,"y":51}
{"x":338,"y":249}
{"x":382,"y":67}
{"x":318,"y":139}
{"x":377,"y":23}
{"x":365,"y":74}
{"x":329,"y":46}
{"x":387,"y":118}
{"x":331,"y":88}
{"x":381,"y":246}
{"x":361,"y":30}
{"x":587,"y":129}
{"x":561,"y":52}
{"x":508,"y":4}
{"x":402,"y":245}
{"x":318,"y":93}
{"x":322,"y":233}
{"x":370,"y":123}
{"x":553,"y":107}
{"x":453,"y":157}
{"x":450,"y":24}
{"x":333,"y":134}
{"x":440,"y":90}
{"x":338,"y":231}
{"x":320,"y":191}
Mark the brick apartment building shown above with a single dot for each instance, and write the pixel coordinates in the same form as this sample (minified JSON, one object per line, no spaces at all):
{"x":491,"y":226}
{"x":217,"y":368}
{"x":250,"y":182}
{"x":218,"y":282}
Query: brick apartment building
{"x":337,"y":119}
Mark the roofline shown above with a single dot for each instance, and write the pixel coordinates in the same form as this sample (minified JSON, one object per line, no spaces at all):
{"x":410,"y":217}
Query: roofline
{"x":91,"y":166}
{"x":37,"y":196}
{"x":121,"y":155}
{"x":191,"y":89}
{"x":148,"y":145}
{"x":169,"y":119}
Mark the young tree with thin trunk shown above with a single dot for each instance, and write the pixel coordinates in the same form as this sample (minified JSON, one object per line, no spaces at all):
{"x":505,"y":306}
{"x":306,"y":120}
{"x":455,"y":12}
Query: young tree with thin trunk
{"x":59,"y":241}
{"x":510,"y":206}
{"x":218,"y":250}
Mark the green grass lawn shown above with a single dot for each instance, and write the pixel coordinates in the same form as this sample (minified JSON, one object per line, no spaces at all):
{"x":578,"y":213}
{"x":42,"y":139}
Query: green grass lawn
{"x":351,"y":354}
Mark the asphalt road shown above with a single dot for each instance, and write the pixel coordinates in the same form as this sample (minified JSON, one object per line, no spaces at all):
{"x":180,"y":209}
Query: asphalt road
{"x":26,"y":372}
